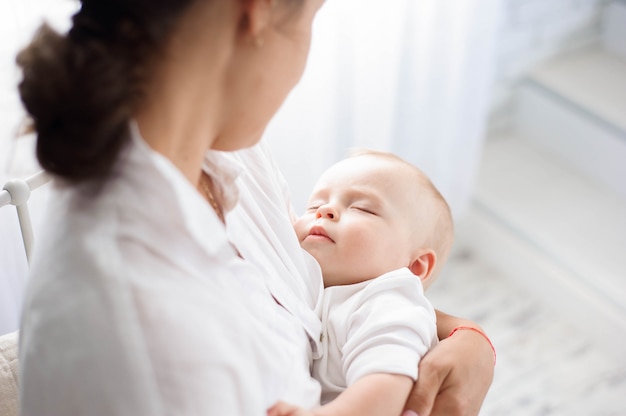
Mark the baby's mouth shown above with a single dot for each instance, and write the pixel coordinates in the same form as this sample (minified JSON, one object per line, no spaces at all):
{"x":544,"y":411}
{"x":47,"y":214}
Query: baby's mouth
{"x":319,"y":232}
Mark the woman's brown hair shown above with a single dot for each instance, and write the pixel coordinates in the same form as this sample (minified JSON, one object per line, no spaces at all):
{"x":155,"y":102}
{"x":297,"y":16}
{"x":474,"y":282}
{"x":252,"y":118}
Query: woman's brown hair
{"x":81,"y":89}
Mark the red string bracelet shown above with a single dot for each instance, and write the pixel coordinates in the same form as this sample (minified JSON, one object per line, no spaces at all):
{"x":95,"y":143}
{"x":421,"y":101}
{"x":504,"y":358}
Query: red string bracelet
{"x":458,"y":328}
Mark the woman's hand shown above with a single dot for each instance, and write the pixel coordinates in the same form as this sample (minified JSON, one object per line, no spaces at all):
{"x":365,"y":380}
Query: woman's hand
{"x":286,"y":409}
{"x":454,"y":377}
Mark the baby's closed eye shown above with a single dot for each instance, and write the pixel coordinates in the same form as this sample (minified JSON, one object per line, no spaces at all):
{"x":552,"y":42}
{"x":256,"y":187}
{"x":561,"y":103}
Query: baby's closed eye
{"x":364,"y":209}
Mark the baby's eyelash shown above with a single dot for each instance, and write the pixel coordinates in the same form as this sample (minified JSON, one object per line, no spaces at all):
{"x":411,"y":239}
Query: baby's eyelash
{"x":368,"y":211}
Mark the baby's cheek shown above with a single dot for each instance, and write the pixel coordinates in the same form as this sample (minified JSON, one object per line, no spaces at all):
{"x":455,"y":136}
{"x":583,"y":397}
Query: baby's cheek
{"x":300,"y":228}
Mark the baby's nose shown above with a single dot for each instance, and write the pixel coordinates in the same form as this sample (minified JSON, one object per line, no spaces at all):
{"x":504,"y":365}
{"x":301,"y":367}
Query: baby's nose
{"x":326,"y":211}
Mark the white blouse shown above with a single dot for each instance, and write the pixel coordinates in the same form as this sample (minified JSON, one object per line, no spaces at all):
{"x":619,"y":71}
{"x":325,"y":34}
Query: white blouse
{"x":138,"y":304}
{"x":261,"y":226}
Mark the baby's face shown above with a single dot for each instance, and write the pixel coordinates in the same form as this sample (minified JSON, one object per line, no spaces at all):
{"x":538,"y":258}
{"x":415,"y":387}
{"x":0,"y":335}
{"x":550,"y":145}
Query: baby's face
{"x":358,"y":223}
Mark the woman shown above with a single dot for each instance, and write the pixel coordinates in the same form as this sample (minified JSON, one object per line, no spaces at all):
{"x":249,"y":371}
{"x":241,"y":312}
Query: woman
{"x":140,"y":300}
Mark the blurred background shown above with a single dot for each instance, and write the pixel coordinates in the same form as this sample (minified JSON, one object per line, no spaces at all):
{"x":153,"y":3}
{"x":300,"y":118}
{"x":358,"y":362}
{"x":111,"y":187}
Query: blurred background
{"x":517,"y":111}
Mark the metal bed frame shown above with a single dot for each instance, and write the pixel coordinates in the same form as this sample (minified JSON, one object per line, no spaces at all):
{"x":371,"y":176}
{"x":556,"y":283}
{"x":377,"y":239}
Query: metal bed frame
{"x":17,"y":192}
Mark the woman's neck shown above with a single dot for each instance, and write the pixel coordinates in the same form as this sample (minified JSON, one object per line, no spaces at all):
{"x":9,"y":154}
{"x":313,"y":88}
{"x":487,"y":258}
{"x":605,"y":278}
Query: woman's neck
{"x":174,"y":129}
{"x":180,"y":112}
{"x":180,"y":118}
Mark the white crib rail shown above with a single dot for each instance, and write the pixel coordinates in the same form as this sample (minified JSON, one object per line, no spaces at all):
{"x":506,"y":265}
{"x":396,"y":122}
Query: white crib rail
{"x":17,"y":192}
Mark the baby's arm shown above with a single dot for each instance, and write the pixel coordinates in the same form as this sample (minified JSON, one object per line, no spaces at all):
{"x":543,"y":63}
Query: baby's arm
{"x":372,"y":395}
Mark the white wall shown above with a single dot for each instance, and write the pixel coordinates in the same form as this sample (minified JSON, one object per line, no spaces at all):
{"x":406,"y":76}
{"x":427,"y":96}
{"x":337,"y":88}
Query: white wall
{"x":533,"y":31}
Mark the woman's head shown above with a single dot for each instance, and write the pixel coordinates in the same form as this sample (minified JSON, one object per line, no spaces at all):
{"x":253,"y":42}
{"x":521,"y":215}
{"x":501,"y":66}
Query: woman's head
{"x":82,"y":89}
{"x":273,"y":50}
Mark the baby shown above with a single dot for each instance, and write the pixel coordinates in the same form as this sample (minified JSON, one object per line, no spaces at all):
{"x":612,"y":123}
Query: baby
{"x":381,"y":232}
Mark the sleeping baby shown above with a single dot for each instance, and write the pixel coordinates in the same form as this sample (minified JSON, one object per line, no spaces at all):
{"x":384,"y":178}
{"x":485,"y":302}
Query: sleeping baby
{"x":381,"y":232}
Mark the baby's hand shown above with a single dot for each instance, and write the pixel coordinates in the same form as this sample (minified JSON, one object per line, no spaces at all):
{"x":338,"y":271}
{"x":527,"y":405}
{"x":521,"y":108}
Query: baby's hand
{"x":286,"y":409}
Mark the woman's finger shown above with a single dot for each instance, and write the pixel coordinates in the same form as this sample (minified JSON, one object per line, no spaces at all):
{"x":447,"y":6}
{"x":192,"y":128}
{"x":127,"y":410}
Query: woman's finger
{"x":422,"y":397}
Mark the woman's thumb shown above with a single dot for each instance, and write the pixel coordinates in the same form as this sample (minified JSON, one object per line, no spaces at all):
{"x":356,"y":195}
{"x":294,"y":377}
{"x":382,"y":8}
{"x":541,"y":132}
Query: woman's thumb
{"x":422,"y":398}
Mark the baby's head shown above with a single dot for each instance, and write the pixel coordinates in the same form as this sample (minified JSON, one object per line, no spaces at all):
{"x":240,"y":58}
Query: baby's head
{"x":373,"y":213}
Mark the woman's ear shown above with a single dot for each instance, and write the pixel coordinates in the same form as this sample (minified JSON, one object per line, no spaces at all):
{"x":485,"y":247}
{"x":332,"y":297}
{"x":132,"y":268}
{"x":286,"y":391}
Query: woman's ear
{"x":256,"y":16}
{"x":424,"y":264}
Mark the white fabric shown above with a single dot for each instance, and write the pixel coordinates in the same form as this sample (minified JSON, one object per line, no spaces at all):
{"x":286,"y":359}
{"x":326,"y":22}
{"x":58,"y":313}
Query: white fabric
{"x":261,"y":228}
{"x":384,"y":325}
{"x":407,"y":76}
{"x":155,"y":313}
{"x":9,"y":405}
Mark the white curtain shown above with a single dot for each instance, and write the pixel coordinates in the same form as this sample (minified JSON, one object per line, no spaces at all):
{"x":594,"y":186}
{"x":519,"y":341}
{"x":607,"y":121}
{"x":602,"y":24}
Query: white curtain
{"x":408,"y":76}
{"x":18,"y":21}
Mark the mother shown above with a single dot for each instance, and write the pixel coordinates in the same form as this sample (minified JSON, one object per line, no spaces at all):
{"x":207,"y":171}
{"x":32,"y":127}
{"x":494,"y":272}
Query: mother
{"x":169,"y":279}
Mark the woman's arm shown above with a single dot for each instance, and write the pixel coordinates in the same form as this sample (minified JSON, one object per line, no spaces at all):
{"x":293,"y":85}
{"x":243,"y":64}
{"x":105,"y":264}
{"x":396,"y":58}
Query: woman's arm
{"x":454,"y":377}
{"x":373,"y":395}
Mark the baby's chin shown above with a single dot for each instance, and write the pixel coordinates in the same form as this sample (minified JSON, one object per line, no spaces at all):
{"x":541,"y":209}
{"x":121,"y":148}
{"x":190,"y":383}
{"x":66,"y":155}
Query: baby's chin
{"x":342,"y":278}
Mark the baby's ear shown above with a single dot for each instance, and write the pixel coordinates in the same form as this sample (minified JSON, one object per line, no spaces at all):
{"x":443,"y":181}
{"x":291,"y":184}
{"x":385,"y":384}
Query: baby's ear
{"x":424,"y":264}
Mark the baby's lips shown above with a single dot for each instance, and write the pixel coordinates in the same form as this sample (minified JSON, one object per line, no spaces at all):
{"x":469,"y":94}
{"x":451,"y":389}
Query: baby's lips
{"x":317,"y":230}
